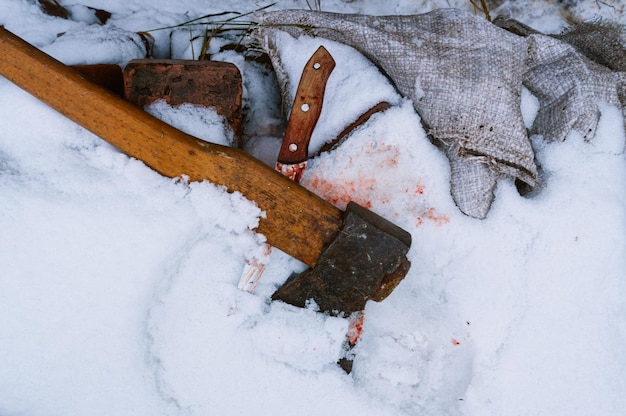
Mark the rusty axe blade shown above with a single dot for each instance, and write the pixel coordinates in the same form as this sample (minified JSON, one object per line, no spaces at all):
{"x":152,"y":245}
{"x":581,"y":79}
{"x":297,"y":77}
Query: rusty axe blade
{"x":366,"y":260}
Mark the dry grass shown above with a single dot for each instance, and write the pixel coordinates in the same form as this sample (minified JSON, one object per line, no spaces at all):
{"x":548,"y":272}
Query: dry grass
{"x":482,"y":8}
{"x":317,"y":5}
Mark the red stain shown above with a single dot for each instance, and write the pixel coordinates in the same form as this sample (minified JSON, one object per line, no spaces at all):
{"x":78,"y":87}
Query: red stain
{"x":455,"y":342}
{"x":430,"y":214}
{"x":372,"y":148}
{"x":391,"y":160}
{"x":355,"y":329}
{"x":340,"y":192}
{"x":439,"y":220}
{"x":417,"y":190}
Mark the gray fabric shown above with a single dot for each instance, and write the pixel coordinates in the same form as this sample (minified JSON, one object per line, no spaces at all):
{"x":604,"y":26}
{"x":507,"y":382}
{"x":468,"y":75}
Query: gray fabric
{"x":602,"y":42}
{"x":464,"y":76}
{"x":571,"y":73}
{"x":570,"y":88}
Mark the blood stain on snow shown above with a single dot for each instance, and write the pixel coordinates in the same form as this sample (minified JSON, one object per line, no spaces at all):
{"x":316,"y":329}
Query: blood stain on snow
{"x":417,"y":190}
{"x":431,"y":215}
{"x":340,"y":192}
{"x":437,"y":219}
{"x":419,"y":187}
{"x":455,"y":341}
{"x":356,"y":327}
{"x":390,"y":153}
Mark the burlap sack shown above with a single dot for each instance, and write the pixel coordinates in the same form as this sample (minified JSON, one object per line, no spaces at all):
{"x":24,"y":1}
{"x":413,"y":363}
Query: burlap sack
{"x":465,"y":76}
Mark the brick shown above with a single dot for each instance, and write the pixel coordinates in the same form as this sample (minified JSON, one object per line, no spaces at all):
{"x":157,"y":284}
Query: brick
{"x":108,"y":76}
{"x":206,"y":83}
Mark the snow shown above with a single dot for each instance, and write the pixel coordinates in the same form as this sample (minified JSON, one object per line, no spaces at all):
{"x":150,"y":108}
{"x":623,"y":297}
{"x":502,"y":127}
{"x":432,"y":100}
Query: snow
{"x":97,"y":45}
{"x":118,"y":287}
{"x":199,"y":121}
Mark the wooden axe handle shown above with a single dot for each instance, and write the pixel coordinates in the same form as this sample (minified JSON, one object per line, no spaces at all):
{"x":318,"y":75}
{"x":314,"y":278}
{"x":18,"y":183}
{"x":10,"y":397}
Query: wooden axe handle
{"x":297,"y":221}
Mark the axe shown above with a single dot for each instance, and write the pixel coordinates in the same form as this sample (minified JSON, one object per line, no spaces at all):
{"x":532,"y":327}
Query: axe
{"x":354,"y":255}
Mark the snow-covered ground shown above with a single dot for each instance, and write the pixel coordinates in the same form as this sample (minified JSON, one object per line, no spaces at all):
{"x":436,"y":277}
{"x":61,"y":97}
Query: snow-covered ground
{"x":118,"y":287}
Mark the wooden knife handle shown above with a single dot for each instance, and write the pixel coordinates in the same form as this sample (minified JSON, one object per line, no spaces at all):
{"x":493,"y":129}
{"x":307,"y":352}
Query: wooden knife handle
{"x":307,"y":107}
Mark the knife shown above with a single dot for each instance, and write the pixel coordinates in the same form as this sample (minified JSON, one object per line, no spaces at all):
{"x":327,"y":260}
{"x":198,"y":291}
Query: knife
{"x":305,"y":112}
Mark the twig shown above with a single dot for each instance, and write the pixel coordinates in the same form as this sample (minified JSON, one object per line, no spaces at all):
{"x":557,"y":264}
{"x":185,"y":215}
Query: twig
{"x":220,"y":23}
{"x":483,"y":8}
{"x":193,"y":53}
{"x":318,"y":5}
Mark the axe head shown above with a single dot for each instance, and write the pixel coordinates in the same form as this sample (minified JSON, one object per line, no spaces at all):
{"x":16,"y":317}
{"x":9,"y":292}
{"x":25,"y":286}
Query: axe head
{"x":366,"y":260}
